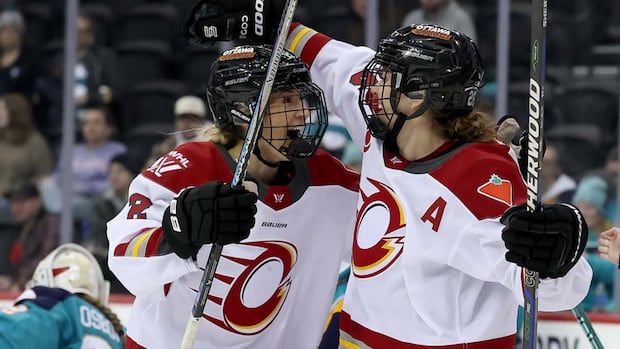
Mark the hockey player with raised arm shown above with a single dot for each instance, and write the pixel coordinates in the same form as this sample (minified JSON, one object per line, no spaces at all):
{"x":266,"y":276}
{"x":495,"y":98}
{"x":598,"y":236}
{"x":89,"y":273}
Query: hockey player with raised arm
{"x":274,"y":284}
{"x":441,"y":234}
{"x":63,"y":307}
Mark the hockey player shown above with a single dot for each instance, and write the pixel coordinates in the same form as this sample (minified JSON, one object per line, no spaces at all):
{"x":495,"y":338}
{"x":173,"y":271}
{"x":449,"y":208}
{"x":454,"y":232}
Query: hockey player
{"x":64,"y":306}
{"x":429,"y":266}
{"x":274,"y":288}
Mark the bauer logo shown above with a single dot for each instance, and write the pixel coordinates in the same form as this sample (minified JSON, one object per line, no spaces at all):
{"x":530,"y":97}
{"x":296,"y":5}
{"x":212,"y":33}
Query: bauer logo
{"x":237,"y":81}
{"x":432,"y":31}
{"x":237,"y":53}
{"x":415,"y":53}
{"x":210,"y":31}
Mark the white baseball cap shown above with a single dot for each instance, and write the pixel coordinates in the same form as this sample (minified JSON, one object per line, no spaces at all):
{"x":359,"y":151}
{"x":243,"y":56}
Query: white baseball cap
{"x":190,"y":105}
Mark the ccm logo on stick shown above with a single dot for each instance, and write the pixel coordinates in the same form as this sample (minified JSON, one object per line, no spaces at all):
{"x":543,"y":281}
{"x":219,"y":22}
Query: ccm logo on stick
{"x":258,"y":17}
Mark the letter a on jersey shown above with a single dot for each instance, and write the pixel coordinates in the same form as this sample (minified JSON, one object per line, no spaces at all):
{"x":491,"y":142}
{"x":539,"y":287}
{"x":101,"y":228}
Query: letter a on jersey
{"x":497,"y":189}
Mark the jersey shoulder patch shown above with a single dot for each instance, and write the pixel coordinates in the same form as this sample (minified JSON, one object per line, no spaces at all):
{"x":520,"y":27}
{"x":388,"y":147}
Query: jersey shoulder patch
{"x":325,"y":169}
{"x":485,"y":178}
{"x":190,"y":164}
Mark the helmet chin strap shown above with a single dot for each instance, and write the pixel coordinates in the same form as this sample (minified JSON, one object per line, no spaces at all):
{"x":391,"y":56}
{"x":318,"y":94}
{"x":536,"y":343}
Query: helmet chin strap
{"x":260,"y":158}
{"x":391,"y":136}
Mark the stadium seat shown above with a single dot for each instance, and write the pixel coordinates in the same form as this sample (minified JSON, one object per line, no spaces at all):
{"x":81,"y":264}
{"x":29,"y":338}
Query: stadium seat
{"x":518,"y":99}
{"x":140,"y":140}
{"x":102,"y":17}
{"x":117,"y":6}
{"x":39,"y":19}
{"x":140,"y":61}
{"x":197,"y":63}
{"x":149,"y":22}
{"x":150,"y":103}
{"x":590,"y":102}
{"x":583,"y":143}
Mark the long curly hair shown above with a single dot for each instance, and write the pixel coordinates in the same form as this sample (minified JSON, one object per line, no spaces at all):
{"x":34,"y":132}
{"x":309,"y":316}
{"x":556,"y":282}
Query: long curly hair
{"x":473,"y":127}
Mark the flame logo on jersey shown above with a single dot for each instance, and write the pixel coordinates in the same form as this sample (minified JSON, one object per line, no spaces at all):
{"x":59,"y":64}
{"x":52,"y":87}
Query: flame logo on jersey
{"x":238,"y":313}
{"x":373,"y":260}
{"x":367,"y":140}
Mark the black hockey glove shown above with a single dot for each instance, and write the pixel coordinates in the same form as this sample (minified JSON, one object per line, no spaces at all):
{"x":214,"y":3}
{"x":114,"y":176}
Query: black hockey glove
{"x":549,"y":241}
{"x":223,"y":20}
{"x":212,"y":213}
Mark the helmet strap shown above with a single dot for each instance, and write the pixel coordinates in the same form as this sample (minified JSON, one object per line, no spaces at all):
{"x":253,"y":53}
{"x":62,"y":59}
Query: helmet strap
{"x":260,"y":158}
{"x":392,"y":135}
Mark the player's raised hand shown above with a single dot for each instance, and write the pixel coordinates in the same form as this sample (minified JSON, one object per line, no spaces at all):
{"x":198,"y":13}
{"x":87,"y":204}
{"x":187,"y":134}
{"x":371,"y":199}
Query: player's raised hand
{"x":212,"y":213}
{"x":223,"y":20}
{"x":609,"y":245}
{"x":549,"y":240}
{"x":507,"y":129}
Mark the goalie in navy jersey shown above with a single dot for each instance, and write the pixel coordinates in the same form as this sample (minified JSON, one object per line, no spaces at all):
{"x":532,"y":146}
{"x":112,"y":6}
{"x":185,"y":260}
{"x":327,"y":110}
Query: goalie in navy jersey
{"x":441,"y":235}
{"x":275,"y":281}
{"x":63,"y":307}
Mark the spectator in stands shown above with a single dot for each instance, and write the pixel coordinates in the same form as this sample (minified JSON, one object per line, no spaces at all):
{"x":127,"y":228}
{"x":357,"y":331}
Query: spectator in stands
{"x":18,"y":65}
{"x":38,"y":236}
{"x":122,"y":170}
{"x":96,"y":74}
{"x":190,"y":117}
{"x":96,"y":77}
{"x":24,"y":152}
{"x":446,"y":13}
{"x":91,"y":158}
{"x":556,"y":185}
{"x":590,"y":197}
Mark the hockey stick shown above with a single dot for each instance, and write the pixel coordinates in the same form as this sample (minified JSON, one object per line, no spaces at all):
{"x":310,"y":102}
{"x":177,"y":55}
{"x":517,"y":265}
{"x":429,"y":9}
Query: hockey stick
{"x":584,"y":321}
{"x":240,"y":170}
{"x":535,"y":155}
{"x":534,"y":158}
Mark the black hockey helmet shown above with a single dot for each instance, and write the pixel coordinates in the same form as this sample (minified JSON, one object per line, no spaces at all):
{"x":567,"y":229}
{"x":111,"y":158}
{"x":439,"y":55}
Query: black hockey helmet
{"x":442,"y":63}
{"x":235,"y":83}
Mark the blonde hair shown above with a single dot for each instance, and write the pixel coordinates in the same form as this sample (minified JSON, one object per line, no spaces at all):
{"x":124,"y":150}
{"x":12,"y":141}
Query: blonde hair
{"x":229,"y":138}
{"x":474,"y":127}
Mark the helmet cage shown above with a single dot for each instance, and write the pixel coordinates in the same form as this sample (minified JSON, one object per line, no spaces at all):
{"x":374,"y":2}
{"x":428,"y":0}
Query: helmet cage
{"x":72,"y":268}
{"x":303,"y":102}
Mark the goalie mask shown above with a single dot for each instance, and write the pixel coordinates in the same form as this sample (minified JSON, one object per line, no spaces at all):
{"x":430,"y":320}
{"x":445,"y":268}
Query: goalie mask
{"x":426,"y":62}
{"x":72,"y":268}
{"x":296,"y":116}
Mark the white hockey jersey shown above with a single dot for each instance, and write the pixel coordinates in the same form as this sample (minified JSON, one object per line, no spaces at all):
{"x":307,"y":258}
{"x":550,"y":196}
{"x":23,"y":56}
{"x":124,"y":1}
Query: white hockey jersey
{"x":428,"y":266}
{"x":273,"y":290}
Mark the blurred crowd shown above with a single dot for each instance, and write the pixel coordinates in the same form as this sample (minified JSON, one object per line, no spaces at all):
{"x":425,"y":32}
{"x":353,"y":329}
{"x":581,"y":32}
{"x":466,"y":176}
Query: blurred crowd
{"x":139,"y":94}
